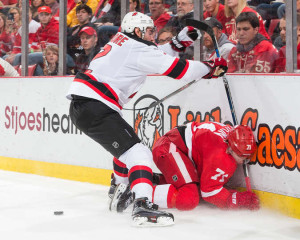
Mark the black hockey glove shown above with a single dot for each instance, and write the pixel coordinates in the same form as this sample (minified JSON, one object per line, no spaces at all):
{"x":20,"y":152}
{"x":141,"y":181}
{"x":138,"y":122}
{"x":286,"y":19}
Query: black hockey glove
{"x":218,"y":68}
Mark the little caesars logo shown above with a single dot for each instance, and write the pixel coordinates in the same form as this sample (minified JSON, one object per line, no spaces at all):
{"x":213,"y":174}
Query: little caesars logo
{"x":148,"y":123}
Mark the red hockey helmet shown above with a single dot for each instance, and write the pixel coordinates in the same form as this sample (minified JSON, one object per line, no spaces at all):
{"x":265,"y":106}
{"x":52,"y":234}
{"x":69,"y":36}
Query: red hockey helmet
{"x":241,"y":141}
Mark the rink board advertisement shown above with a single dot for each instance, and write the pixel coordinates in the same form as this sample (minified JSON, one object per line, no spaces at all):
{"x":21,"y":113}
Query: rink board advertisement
{"x":36,"y":129}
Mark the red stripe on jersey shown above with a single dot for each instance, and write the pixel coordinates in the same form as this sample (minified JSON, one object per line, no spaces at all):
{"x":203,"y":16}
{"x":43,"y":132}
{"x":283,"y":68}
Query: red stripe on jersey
{"x":141,"y":180}
{"x":119,"y":163}
{"x":172,"y":67}
{"x":98,"y":91}
{"x":184,"y":70}
{"x":105,"y":84}
{"x":138,"y":168}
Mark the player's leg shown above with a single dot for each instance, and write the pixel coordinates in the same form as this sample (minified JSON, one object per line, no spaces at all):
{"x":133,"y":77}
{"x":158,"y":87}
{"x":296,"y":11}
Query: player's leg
{"x":109,"y":129}
{"x":179,"y":171}
{"x":120,"y":175}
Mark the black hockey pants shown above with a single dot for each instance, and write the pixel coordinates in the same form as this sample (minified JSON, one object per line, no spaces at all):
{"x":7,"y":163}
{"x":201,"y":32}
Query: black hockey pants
{"x":102,"y":124}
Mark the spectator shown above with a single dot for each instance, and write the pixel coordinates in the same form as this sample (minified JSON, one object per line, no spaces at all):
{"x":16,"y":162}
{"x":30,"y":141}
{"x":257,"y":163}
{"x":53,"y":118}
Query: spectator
{"x":5,"y":5}
{"x":225,"y":45}
{"x":233,"y":8}
{"x":184,"y":11}
{"x":109,"y":15}
{"x":134,"y":6}
{"x":72,"y":21}
{"x":253,"y":53}
{"x":165,"y":35}
{"x":35,"y":4}
{"x":50,"y":67}
{"x":54,"y":5}
{"x":281,"y":62}
{"x":5,"y":38}
{"x":7,"y":70}
{"x":48,"y":32}
{"x":84,"y":15}
{"x":269,"y":10}
{"x":33,"y":27}
{"x":216,"y":10}
{"x":280,"y":40}
{"x":46,"y":35}
{"x":89,"y":40}
{"x":281,"y":9}
{"x":158,"y":13}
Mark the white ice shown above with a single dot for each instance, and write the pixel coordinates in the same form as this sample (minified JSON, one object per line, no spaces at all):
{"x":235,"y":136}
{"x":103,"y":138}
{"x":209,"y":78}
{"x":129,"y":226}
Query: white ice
{"x":28,"y":202}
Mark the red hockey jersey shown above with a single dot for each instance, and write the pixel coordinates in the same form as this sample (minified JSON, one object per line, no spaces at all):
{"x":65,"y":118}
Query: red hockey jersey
{"x":207,"y":148}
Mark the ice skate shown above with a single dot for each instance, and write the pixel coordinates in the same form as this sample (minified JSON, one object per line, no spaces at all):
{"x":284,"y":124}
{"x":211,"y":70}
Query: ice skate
{"x":146,"y":213}
{"x":121,"y":198}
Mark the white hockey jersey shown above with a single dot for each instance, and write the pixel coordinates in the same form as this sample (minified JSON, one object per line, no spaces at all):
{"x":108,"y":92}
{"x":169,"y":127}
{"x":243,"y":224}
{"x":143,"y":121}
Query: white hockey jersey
{"x":119,"y":70}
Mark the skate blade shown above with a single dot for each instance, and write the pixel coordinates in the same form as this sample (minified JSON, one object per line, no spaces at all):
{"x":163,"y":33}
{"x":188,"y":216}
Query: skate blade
{"x":115,"y":198}
{"x":161,"y":222}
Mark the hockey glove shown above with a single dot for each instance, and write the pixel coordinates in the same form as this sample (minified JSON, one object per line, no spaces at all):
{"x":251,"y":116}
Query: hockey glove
{"x":248,"y":200}
{"x":218,"y":68}
{"x":184,"y":39}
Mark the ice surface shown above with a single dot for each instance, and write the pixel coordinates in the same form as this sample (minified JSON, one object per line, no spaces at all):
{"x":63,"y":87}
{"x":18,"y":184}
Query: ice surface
{"x":28,"y":202}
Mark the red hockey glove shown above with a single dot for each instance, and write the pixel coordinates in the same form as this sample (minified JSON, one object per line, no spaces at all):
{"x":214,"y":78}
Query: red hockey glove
{"x":218,"y":68}
{"x":248,"y":200}
{"x":2,"y":71}
{"x":184,"y":39}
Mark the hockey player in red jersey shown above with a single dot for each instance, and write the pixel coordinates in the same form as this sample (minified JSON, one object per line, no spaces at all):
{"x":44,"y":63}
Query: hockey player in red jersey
{"x":196,"y":161}
{"x":115,"y":74}
{"x":201,"y":158}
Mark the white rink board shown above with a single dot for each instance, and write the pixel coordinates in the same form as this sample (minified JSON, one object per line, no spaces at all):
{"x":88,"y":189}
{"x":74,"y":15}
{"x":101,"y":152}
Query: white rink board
{"x":274,"y":98}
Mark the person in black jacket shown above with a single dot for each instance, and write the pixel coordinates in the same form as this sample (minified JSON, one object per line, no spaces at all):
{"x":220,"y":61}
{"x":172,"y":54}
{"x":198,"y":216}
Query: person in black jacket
{"x":84,"y":15}
{"x":89,"y":43}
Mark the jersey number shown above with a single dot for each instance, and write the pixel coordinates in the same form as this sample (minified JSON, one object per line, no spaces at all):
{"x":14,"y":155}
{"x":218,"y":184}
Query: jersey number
{"x":103,"y":52}
{"x":220,"y":174}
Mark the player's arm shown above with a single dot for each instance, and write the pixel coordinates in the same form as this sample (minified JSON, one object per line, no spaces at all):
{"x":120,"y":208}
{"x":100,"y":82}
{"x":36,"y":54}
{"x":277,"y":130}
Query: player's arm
{"x":217,"y":170}
{"x":232,"y":199}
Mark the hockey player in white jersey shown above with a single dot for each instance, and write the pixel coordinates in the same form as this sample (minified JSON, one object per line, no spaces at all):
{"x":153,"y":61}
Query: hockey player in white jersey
{"x":116,"y":73}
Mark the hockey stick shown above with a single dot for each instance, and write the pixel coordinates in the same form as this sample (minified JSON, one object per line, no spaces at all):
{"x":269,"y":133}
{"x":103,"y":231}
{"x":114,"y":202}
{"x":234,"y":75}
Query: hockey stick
{"x":205,"y":27}
{"x":154,"y":104}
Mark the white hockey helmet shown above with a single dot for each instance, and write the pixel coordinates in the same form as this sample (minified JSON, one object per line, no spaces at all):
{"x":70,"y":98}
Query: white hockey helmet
{"x":134,"y":20}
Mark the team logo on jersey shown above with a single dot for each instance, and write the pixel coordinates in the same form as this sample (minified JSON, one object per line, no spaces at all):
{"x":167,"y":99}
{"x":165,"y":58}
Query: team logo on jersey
{"x":148,"y":123}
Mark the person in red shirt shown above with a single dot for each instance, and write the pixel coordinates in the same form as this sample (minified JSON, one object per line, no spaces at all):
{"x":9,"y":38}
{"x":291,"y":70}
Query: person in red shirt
{"x":46,"y":35}
{"x":233,"y":8}
{"x":5,"y":38}
{"x":158,"y":13}
{"x":48,"y":32}
{"x":253,"y":52}
{"x":216,"y":10}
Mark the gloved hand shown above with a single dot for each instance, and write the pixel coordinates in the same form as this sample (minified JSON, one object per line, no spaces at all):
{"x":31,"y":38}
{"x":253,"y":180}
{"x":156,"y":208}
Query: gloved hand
{"x":248,"y":200}
{"x":218,"y":68}
{"x":184,"y":38}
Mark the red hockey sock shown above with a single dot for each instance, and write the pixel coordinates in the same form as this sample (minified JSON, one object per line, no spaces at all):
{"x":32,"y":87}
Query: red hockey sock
{"x":187,"y":197}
